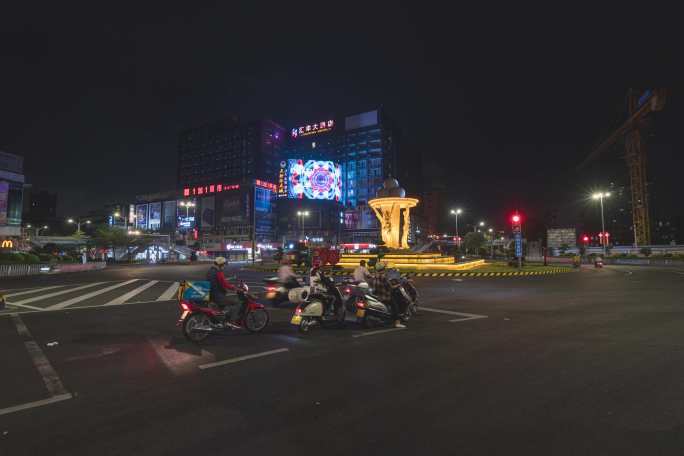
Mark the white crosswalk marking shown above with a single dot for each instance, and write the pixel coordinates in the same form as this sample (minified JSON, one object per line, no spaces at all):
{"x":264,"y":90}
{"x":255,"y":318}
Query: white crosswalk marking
{"x":170,"y":292}
{"x":125,"y":297}
{"x":56,"y":293}
{"x":33,"y":290}
{"x":77,"y":299}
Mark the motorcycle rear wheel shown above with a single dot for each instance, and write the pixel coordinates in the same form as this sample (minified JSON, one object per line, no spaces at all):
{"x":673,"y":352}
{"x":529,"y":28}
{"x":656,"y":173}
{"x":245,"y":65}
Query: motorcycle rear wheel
{"x":192,"y":322}
{"x":256,"y":320}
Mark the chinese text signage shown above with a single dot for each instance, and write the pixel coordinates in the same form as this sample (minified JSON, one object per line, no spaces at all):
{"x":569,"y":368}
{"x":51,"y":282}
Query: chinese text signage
{"x":209,"y":189}
{"x":313,"y":129}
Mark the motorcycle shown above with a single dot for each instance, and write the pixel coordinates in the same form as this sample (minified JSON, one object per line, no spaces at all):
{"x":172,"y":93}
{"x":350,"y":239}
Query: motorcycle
{"x":369,"y":310}
{"x":412,"y":307}
{"x":277,"y":293}
{"x":598,"y":264}
{"x":198,"y":320}
{"x":321,"y":305}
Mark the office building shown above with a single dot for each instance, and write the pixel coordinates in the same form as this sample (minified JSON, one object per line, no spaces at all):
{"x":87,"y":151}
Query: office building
{"x":229,"y":152}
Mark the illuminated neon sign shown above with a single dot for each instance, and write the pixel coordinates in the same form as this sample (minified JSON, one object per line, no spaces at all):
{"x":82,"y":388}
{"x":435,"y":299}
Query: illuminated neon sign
{"x":7,"y":244}
{"x":209,"y":189}
{"x":324,"y":126}
{"x":267,"y":185}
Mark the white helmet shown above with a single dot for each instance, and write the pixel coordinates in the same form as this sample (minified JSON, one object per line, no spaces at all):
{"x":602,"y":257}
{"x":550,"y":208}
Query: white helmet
{"x":220,"y":261}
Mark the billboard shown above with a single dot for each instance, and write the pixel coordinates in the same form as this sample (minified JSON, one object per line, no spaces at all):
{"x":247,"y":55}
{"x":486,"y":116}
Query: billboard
{"x":155,"y":215}
{"x":141,"y":216}
{"x":311,"y":179}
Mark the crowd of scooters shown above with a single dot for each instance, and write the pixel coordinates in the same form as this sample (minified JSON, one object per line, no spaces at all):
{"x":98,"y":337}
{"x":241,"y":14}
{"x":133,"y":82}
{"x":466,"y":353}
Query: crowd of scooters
{"x":381,"y":297}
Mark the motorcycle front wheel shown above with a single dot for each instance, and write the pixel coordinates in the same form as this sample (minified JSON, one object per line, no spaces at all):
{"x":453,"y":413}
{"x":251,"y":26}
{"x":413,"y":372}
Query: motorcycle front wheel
{"x":191,"y":323}
{"x":256,"y":320}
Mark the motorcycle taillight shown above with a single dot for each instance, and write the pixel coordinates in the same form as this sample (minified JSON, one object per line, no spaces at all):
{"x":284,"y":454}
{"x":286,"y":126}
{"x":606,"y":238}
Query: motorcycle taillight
{"x":361,"y":304}
{"x":185,"y":307}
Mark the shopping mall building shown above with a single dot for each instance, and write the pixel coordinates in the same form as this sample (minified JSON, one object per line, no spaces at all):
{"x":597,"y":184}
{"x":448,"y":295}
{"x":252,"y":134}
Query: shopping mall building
{"x":11,"y":197}
{"x":263,"y":184}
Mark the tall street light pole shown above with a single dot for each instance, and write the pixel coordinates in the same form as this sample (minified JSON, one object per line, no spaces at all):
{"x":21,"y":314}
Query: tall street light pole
{"x":455,"y":213}
{"x":604,"y":239}
{"x":78,"y":223}
{"x":301,"y":215}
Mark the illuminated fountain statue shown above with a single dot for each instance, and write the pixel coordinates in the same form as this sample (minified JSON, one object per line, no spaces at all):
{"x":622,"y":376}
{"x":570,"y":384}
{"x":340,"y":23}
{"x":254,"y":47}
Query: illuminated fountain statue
{"x":392,"y":209}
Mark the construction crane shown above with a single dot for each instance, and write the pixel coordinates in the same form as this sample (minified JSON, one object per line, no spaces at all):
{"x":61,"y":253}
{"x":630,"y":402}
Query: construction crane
{"x":640,"y":104}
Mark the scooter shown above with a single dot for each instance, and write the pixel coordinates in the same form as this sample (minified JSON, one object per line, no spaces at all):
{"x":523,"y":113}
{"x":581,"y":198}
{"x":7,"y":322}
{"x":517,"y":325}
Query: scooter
{"x":198,"y":320}
{"x":323,"y":306}
{"x":369,"y":310}
{"x":598,"y":264}
{"x":277,"y":292}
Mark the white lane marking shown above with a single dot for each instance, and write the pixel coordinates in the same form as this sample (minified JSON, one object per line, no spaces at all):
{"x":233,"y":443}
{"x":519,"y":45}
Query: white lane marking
{"x":56,"y":293}
{"x":170,"y":292}
{"x":465,"y":316}
{"x":677,"y":272}
{"x":50,"y":377}
{"x":40,"y":309}
{"x":77,"y":299}
{"x":379,"y":331}
{"x":34,"y":290}
{"x":21,"y":327}
{"x":242,"y":358}
{"x":30,"y":405}
{"x":125,"y":297}
{"x":98,"y":306}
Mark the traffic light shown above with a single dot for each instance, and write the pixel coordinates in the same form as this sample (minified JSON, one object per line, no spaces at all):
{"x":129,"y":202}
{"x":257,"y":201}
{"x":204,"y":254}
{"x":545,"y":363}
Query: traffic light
{"x":585,"y":239}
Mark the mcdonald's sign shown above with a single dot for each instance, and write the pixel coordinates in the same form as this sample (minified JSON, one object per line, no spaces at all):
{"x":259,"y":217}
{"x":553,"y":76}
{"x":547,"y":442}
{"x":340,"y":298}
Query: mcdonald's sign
{"x":7,"y":244}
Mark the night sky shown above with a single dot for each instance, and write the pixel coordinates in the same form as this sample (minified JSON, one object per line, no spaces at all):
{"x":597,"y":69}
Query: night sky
{"x":94,"y":96}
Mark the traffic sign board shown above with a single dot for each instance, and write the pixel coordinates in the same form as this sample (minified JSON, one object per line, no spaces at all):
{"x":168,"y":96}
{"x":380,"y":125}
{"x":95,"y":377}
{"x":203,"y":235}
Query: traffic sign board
{"x":518,"y":244}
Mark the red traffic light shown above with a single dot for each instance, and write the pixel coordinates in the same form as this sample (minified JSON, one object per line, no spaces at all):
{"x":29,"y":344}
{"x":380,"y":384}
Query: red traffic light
{"x":585,"y":239}
{"x":516,"y":219}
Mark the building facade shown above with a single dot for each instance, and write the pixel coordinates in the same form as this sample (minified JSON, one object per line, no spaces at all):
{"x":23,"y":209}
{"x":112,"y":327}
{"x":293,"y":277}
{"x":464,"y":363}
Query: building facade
{"x":229,"y":152}
{"x":11,"y":195}
{"x":366,"y":146}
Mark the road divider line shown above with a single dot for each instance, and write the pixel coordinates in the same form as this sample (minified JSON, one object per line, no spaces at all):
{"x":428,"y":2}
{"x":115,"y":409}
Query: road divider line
{"x":125,"y":297}
{"x":47,"y":372}
{"x":21,"y":327}
{"x":50,"y":377}
{"x":464,"y":316}
{"x":243,"y":358}
{"x":56,"y":293}
{"x":34,"y":290}
{"x":169,"y":293}
{"x":30,"y":405}
{"x":379,"y":331}
{"x":77,"y":299}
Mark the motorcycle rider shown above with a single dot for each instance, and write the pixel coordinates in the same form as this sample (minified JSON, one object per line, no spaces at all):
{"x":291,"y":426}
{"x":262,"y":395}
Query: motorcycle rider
{"x":286,"y":275}
{"x":217,"y":293}
{"x":383,"y":291}
{"x":361,"y":273}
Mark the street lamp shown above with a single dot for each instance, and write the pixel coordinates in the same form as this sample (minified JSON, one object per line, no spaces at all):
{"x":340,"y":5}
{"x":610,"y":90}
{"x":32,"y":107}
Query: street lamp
{"x":187,"y":205}
{"x":455,"y":213}
{"x":481,"y":224}
{"x":78,"y":223}
{"x":491,"y":240}
{"x":599,"y":196}
{"x":301,"y":215}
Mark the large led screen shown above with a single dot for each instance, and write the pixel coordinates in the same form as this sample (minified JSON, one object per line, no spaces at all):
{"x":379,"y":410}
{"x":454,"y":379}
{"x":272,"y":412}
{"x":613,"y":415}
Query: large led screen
{"x":314,"y":179}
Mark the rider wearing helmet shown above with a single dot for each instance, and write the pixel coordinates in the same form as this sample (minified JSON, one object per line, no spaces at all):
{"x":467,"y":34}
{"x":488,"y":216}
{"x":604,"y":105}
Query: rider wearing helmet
{"x":219,"y":287}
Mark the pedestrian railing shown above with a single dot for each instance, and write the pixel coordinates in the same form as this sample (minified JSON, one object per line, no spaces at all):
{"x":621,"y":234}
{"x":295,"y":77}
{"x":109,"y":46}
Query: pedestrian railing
{"x":12,"y":270}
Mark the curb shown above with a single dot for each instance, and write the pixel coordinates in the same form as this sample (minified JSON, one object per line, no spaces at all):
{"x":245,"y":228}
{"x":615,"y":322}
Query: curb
{"x":450,"y":274}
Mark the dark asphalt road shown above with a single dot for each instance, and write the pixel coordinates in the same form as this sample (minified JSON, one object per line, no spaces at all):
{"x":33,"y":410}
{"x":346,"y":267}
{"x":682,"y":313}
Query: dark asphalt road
{"x":583,"y":363}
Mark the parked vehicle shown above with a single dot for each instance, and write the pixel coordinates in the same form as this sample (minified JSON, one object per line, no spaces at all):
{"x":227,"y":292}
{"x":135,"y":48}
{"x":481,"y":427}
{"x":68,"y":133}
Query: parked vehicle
{"x":321,"y":305}
{"x":370,"y":311}
{"x":199,"y":319}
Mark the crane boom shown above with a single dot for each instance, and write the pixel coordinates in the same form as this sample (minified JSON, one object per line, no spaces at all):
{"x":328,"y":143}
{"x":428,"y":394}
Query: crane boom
{"x":639,"y":109}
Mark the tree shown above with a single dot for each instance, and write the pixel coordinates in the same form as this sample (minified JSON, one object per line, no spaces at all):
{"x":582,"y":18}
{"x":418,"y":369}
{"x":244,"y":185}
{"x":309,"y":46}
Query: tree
{"x":110,"y":238}
{"x":473,"y":242}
